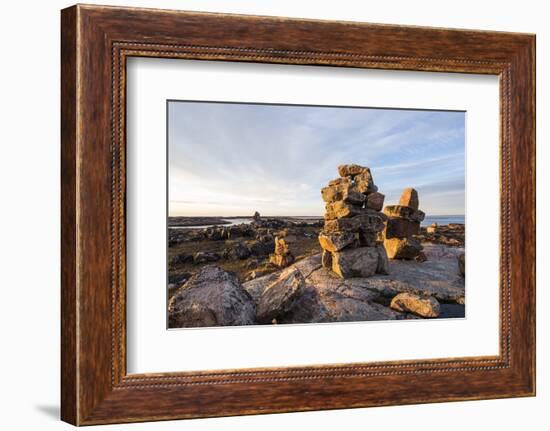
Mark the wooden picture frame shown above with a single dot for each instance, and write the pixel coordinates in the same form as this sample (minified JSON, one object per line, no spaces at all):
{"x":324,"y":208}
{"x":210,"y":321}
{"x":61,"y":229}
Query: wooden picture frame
{"x":95,"y":43}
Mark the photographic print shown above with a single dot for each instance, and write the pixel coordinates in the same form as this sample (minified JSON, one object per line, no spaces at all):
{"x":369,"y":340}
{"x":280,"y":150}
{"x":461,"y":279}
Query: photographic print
{"x":298,"y":214}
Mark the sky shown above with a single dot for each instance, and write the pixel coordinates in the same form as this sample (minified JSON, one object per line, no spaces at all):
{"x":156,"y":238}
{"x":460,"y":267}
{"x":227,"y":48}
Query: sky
{"x":227,"y":159}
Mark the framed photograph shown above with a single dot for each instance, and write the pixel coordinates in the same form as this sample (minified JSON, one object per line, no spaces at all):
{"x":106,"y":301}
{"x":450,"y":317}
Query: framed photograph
{"x":264,"y":214}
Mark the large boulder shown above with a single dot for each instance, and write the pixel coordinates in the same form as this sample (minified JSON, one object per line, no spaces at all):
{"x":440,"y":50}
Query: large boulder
{"x":424,"y":306}
{"x":212,"y":297}
{"x":279,"y":297}
{"x":355,"y":262}
{"x":409,"y":198}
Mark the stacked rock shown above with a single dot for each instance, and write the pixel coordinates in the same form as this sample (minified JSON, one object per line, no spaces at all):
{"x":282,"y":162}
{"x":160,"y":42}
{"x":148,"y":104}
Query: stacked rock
{"x":352,"y":223}
{"x":282,"y":256}
{"x":404,"y":222}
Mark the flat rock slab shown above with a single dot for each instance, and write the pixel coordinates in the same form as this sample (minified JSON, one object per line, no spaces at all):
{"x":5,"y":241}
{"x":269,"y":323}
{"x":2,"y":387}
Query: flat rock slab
{"x":438,"y":276}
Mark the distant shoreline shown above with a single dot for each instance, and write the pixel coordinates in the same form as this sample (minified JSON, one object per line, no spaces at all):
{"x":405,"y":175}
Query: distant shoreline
{"x":205,"y":221}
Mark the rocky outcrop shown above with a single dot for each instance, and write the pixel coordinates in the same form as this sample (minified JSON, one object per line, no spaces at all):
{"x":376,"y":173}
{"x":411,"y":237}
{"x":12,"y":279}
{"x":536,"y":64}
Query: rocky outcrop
{"x":402,"y":224}
{"x":180,"y":259}
{"x":307,"y":292}
{"x":424,"y":306}
{"x":452,"y":234}
{"x":212,"y":297}
{"x":238,"y":251}
{"x":352,"y":222}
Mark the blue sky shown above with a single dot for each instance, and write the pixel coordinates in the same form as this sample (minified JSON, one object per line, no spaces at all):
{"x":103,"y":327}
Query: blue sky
{"x":234,"y":159}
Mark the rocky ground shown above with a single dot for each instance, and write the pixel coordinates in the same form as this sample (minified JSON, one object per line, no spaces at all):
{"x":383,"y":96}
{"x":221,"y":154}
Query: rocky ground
{"x":243,"y":249}
{"x":229,"y":281}
{"x":451,"y":234}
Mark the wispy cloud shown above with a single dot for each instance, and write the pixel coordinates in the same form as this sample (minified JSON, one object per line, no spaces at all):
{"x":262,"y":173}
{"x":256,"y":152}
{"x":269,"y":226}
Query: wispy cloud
{"x":234,"y":159}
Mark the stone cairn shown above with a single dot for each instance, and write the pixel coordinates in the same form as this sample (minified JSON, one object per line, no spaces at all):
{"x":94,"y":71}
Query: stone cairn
{"x":404,"y":222}
{"x":352,"y":223}
{"x":282,"y":256}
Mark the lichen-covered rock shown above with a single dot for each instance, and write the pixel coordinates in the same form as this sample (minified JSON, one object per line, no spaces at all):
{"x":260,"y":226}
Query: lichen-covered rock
{"x":212,"y":297}
{"x":402,"y":248}
{"x":338,"y":240}
{"x":352,"y":170}
{"x":401,"y":228}
{"x":364,"y":183}
{"x":343,"y":192}
{"x":341,"y":209}
{"x":409,"y":198}
{"x":355,"y":262}
{"x":424,"y":306}
{"x":365,"y":221}
{"x":401,"y":211}
{"x":375,"y":201}
{"x":279,"y":297}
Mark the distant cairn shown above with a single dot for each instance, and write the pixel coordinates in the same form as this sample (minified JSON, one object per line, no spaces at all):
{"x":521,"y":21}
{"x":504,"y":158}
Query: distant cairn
{"x":404,"y":222}
{"x":353,"y":222}
{"x":282,"y":256}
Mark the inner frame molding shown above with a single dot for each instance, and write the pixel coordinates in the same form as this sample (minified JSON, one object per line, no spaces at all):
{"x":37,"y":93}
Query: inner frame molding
{"x":121,"y":52}
{"x":96,"y":42}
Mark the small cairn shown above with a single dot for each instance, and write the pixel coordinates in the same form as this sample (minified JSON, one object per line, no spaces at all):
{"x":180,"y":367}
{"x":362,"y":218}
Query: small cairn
{"x":352,"y":223}
{"x":282,"y":256}
{"x":431,"y":229}
{"x":404,"y":222}
{"x":256,"y":217}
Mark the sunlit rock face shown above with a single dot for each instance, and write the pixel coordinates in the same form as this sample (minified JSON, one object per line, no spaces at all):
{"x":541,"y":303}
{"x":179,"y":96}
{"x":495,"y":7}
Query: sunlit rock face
{"x":402,"y":225}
